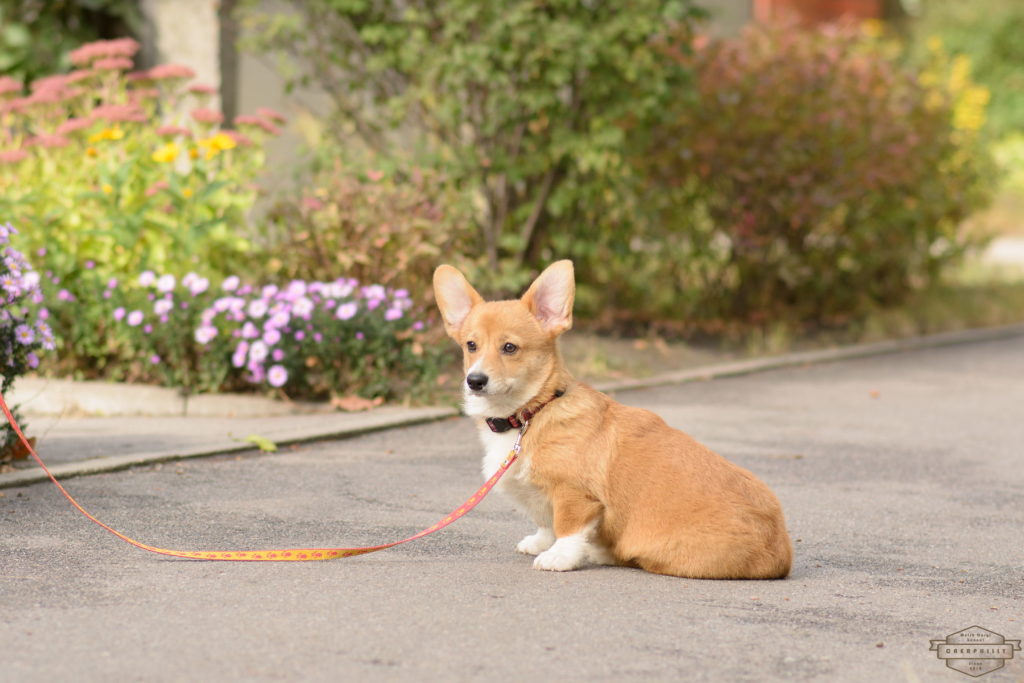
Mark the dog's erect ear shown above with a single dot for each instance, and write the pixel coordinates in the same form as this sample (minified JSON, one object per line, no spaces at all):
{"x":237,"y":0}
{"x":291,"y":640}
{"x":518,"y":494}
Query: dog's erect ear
{"x":550,"y":297}
{"x":455,"y":297}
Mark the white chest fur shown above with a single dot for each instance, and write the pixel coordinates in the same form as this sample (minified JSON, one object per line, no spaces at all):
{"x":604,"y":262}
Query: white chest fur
{"x":516,"y":483}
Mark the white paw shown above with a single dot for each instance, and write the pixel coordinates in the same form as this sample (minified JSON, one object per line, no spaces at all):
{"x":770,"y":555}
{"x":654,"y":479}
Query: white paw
{"x":535,"y":544}
{"x":565,"y":555}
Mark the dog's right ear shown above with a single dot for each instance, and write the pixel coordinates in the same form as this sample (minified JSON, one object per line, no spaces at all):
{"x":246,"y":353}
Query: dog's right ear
{"x":455,"y":297}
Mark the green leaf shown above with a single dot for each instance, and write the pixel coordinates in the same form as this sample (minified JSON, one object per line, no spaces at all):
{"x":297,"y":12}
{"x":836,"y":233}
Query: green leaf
{"x":261,"y":442}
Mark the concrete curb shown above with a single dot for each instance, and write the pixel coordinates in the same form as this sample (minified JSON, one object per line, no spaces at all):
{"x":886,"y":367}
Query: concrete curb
{"x":706,"y":373}
{"x":746,"y":367}
{"x":114,"y":463}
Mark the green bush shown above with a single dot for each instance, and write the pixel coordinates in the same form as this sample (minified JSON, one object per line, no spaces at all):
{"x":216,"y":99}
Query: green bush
{"x":530,"y":109}
{"x":387,"y":227}
{"x":816,"y":176}
{"x":24,"y":328}
{"x":129,"y":171}
{"x":302,"y":340}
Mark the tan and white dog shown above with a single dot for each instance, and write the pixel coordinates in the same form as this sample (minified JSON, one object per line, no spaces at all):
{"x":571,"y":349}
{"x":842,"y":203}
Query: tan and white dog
{"x":605,"y":483}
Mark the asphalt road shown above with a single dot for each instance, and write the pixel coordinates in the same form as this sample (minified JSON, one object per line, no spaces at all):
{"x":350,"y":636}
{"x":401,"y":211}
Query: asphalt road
{"x":901,"y":477}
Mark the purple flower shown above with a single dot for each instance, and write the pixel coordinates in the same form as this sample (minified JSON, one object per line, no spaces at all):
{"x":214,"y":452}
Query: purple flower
{"x":347,"y":311}
{"x":279,"y":319}
{"x":205,"y":334}
{"x":249,"y":331}
{"x":300,"y":335}
{"x":33,"y":360}
{"x":258,"y":352}
{"x":277,"y":376}
{"x":154,"y":359}
{"x":418,"y":325}
{"x":277,"y":355}
{"x":147,"y":278}
{"x":271,"y":336}
{"x":257,"y":308}
{"x":163,"y":307}
{"x":147,"y":329}
{"x":230,"y":283}
{"x":119,"y":313}
{"x":374,"y":292}
{"x":303,"y":307}
{"x":241,"y":351}
{"x":134,"y":318}
{"x":198,"y":286}
{"x":165,"y":283}
{"x":393,"y":314}
{"x":65,"y":295}
{"x":112,"y":283}
{"x":90,"y":264}
{"x":24,"y":334}
{"x":269,"y":291}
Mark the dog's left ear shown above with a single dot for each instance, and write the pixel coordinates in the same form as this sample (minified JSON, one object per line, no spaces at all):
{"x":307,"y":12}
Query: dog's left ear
{"x":550,"y":297}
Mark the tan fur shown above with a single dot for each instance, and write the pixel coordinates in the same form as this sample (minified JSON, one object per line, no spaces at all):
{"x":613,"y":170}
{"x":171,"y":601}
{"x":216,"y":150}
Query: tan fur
{"x":657,"y":498}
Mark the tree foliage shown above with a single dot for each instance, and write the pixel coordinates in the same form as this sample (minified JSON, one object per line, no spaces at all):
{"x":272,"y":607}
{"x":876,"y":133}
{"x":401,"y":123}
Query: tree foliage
{"x":532,"y":107}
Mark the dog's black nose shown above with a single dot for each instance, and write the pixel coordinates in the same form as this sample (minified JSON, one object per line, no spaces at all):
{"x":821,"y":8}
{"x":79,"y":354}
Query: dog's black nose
{"x":476,"y":380}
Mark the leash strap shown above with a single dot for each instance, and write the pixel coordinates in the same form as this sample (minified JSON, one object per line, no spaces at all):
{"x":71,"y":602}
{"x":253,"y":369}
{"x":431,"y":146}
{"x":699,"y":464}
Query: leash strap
{"x":285,"y":555}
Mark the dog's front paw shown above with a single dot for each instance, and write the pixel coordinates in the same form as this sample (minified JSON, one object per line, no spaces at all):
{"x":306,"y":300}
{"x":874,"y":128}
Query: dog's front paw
{"x":565,"y":555}
{"x":535,"y":544}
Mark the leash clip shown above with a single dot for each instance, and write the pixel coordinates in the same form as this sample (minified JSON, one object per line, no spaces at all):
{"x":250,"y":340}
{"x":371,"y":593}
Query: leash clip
{"x":517,"y":446}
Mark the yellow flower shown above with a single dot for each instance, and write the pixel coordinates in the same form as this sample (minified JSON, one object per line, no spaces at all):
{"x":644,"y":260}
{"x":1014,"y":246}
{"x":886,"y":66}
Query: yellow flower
{"x":187,"y":192}
{"x":217,"y":144}
{"x":107,"y":189}
{"x":114,"y":133}
{"x":91,"y":152}
{"x":193,"y":153}
{"x":872,"y":28}
{"x":166,"y":153}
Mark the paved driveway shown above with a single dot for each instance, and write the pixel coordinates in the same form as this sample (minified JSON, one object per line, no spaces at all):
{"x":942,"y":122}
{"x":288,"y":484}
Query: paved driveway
{"x":902,"y":478}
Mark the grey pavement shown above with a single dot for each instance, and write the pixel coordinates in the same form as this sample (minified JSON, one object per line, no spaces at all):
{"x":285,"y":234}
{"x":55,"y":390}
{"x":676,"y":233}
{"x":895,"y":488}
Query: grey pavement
{"x":901,"y":477}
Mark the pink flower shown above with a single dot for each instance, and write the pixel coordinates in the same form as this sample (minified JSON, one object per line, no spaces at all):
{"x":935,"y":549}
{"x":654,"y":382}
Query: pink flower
{"x":49,"y":141}
{"x":168,"y":71}
{"x":73,"y":124}
{"x":118,"y":313}
{"x":172,"y":131}
{"x":392,"y":314}
{"x":230,"y":283}
{"x":134,"y":318}
{"x":50,"y":83}
{"x":156,"y":187}
{"x":12,"y":156}
{"x":119,"y":112}
{"x":203,"y":115}
{"x":277,"y":376}
{"x":8,"y":85}
{"x":113,"y":64}
{"x":165,"y":283}
{"x":122,"y":47}
{"x":202,"y":89}
{"x":241,"y":351}
{"x":256,"y":121}
{"x":269,"y":113}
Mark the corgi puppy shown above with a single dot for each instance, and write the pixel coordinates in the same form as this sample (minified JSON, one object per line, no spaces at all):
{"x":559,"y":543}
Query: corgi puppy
{"x":604,"y":483}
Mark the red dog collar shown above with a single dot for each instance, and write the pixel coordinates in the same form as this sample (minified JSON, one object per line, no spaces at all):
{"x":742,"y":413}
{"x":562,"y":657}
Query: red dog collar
{"x":515,"y":421}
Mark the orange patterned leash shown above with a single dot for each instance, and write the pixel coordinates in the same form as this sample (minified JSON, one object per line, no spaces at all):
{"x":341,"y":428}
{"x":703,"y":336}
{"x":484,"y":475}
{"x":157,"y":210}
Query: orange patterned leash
{"x":288,"y":555}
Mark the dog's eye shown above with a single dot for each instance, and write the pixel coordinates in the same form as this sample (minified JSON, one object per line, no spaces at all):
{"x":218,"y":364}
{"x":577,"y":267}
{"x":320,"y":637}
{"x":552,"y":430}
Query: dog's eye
{"x":471,"y":346}
{"x":509,"y":347}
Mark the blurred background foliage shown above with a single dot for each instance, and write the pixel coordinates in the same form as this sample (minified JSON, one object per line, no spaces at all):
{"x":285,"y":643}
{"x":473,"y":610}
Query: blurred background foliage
{"x":787,"y":175}
{"x":36,"y":36}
